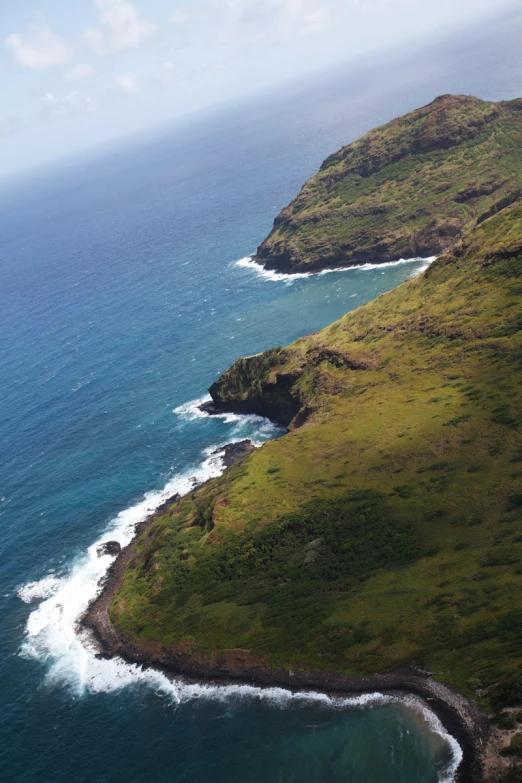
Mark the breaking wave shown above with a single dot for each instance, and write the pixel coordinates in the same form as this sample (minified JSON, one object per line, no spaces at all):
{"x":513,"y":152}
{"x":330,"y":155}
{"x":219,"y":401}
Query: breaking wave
{"x":268,"y":274}
{"x":52,"y":634}
{"x":256,"y":428}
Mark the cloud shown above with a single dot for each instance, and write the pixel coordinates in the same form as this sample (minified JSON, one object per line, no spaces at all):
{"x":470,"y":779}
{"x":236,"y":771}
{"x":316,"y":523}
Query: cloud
{"x":179,"y":17}
{"x":78,"y":72}
{"x":128,"y":84}
{"x":53,"y":108}
{"x":40,"y":49}
{"x":94,"y":37}
{"x":123,"y":27}
{"x":276,"y":19}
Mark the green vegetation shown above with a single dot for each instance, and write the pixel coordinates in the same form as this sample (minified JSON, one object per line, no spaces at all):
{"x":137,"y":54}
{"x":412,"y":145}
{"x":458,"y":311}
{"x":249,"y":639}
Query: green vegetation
{"x":280,"y":573}
{"x":386,"y":527}
{"x":410,"y":188}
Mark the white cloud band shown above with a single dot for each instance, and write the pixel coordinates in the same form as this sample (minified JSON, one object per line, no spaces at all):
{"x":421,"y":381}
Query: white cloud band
{"x":40,"y":49}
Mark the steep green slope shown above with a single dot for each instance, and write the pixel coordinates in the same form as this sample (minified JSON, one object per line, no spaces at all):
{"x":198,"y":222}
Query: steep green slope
{"x":386,"y":526}
{"x":410,"y":188}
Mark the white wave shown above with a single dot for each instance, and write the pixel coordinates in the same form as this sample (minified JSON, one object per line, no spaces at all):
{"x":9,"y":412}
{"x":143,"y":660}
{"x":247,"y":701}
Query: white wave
{"x":267,"y":274}
{"x":190,"y":411}
{"x":257,"y":428}
{"x":366,"y":267}
{"x":436,"y":727}
{"x":279,"y":697}
{"x":427,"y":262}
{"x":51,"y":632}
{"x":45,"y":588}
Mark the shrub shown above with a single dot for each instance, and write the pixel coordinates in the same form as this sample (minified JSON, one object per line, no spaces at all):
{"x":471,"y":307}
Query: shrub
{"x":474,"y":683}
{"x":502,"y":415}
{"x":404,"y":491}
{"x":505,"y":721}
{"x":500,"y":559}
{"x":326,"y":542}
{"x":516,"y":744}
{"x":514,"y":501}
{"x":507,"y":693}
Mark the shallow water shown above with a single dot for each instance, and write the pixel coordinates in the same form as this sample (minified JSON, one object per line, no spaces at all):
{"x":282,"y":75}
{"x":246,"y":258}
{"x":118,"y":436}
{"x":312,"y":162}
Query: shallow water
{"x":122,"y":300}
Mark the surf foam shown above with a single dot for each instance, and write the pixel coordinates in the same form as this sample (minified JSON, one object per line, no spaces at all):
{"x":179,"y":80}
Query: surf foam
{"x":52,"y":628}
{"x":436,"y":727}
{"x":268,"y":274}
{"x":52,"y":634}
{"x":45,"y":588}
{"x":256,"y":428}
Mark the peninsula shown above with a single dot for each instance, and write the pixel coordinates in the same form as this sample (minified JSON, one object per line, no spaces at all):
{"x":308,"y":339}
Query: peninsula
{"x":378,"y":544}
{"x":411,"y":188}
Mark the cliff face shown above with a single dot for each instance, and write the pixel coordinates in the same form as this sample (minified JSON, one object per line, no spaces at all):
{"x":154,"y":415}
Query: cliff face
{"x":411,"y":188}
{"x":276,"y":383}
{"x":250,"y":386}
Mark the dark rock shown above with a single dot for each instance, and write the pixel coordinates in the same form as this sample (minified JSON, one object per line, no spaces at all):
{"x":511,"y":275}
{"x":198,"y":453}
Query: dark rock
{"x":278,"y":401}
{"x":165,"y":506}
{"x":112,"y":548}
{"x":210,"y":408}
{"x":235,"y":452}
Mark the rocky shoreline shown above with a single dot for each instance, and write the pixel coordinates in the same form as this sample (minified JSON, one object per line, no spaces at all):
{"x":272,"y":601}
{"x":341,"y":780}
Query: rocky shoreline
{"x":459,"y":716}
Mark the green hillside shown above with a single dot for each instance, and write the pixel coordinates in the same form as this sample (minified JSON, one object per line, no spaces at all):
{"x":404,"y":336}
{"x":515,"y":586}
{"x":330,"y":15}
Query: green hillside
{"x":410,"y":188}
{"x":386,"y":527}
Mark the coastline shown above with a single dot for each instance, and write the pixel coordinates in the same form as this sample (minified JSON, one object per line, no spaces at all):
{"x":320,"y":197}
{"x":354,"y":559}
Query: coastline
{"x":459,"y":716}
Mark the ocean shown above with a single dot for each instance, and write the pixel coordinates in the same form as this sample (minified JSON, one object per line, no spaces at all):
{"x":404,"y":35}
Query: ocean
{"x":126,"y":290}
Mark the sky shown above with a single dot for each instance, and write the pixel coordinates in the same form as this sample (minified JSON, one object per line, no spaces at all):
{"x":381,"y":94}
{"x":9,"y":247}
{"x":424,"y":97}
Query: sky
{"x":80,"y":73}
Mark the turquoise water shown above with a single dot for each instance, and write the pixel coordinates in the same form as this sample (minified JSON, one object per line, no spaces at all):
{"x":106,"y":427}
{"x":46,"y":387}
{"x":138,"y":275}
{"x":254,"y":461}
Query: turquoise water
{"x":121,"y":302}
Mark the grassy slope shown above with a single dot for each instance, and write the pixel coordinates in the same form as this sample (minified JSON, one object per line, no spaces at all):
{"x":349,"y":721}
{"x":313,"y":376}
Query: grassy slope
{"x":388,"y":527}
{"x":409,"y":188}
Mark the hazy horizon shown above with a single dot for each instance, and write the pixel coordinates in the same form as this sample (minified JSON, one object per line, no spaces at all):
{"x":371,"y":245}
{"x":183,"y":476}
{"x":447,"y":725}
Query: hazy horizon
{"x":63,"y":95}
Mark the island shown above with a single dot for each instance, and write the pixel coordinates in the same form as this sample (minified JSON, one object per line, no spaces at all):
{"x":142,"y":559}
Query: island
{"x":378,"y":543}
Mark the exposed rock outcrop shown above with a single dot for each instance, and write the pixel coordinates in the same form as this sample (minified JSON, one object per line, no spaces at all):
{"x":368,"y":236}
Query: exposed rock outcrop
{"x":112,"y":548}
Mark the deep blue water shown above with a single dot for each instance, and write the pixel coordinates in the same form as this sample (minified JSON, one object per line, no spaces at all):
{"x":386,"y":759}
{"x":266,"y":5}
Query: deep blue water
{"x":120,"y":303}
